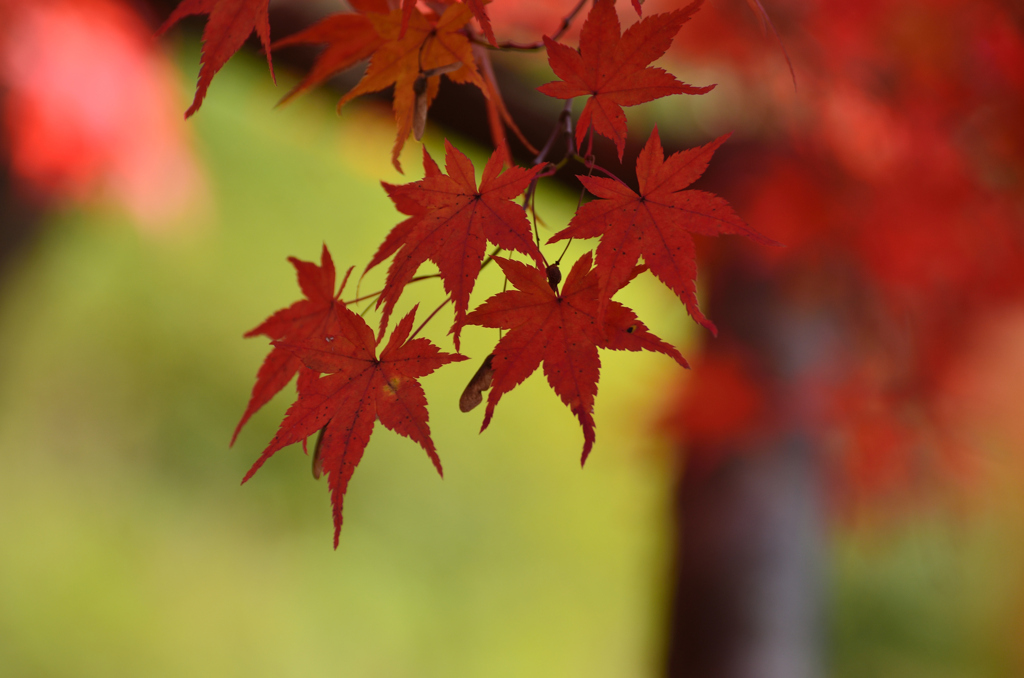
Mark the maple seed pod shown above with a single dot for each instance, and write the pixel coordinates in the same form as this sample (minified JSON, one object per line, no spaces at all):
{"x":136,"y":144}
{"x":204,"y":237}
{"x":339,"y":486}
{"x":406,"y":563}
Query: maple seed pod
{"x":554,"y":276}
{"x":481,"y":381}
{"x":419,"y":116}
{"x":419,"y":88}
{"x":318,"y":463}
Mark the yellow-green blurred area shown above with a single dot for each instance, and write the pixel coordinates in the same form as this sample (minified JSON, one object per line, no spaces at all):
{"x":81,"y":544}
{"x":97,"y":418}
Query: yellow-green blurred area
{"x":128,"y":548}
{"x":940,"y":598}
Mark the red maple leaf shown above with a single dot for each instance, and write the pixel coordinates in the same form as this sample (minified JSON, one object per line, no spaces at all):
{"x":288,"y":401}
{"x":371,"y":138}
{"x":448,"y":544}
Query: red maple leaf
{"x":359,"y":389}
{"x":350,"y":38}
{"x":404,"y":197}
{"x":230,"y":24}
{"x":453,"y":225}
{"x":293,"y":324}
{"x":614,"y":69}
{"x":562,"y":331}
{"x":655,"y":223}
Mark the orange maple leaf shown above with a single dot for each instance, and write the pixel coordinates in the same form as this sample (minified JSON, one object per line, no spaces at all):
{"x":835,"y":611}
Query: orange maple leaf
{"x":414,"y":63}
{"x":477,"y":6}
{"x":350,"y":38}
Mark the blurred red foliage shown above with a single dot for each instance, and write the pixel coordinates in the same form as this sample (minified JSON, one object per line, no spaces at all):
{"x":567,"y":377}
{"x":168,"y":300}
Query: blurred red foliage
{"x":90,"y":108}
{"x":894,"y":172}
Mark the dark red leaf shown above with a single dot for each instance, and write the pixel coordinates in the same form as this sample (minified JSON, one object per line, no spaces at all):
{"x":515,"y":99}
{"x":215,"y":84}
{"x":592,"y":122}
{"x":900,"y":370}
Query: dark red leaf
{"x":295,"y":323}
{"x":613,"y":70}
{"x":656,"y":223}
{"x":359,"y":389}
{"x":562,"y":331}
{"x":456,"y":221}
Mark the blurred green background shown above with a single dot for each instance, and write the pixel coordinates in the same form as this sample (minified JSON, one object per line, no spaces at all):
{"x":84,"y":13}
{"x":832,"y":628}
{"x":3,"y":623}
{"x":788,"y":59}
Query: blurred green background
{"x":128,"y":548}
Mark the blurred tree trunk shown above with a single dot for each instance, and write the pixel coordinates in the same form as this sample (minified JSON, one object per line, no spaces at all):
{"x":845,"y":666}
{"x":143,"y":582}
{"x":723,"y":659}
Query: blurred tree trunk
{"x":747,"y":599}
{"x":18,"y":217}
{"x":748,"y":575}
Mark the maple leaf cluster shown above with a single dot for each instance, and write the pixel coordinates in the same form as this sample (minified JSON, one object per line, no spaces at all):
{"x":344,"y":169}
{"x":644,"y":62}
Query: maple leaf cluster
{"x":344,"y":383}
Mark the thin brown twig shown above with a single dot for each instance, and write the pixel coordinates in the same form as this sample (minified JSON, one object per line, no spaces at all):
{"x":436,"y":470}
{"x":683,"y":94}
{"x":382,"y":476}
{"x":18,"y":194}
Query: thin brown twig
{"x":530,"y":195}
{"x":564,"y":122}
{"x":429,"y":318}
{"x":594,"y":166}
{"x":380,"y":292}
{"x":534,"y":46}
{"x":568,"y":19}
{"x":562,"y":255}
{"x":767,"y":23}
{"x":362,"y":314}
{"x":490,"y":257}
{"x":536,"y":233}
{"x":494,"y":98}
